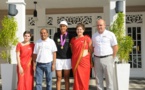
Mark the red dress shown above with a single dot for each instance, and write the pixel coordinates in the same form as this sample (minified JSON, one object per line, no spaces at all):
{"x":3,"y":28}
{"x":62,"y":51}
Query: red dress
{"x":81,"y":65}
{"x":25,"y":81}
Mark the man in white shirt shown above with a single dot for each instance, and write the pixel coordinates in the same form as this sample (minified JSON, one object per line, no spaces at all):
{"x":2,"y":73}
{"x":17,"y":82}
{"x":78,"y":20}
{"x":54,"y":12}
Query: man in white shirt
{"x":105,"y":49}
{"x":45,"y":57}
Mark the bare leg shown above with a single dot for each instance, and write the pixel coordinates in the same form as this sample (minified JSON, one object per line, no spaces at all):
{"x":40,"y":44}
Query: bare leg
{"x":58,"y":81}
{"x":66,"y":78}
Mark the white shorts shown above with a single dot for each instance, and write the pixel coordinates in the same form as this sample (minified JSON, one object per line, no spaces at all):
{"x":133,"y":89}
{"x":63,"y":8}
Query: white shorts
{"x":63,"y":64}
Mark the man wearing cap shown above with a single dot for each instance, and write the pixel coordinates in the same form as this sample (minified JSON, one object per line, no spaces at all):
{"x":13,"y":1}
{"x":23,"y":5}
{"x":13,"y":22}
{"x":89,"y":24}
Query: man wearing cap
{"x":63,"y":61}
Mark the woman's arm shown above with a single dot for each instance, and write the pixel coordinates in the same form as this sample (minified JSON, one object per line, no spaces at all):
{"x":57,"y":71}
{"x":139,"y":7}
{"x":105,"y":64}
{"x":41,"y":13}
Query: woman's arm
{"x":34,"y":61}
{"x":19,"y":62}
{"x":90,"y":47}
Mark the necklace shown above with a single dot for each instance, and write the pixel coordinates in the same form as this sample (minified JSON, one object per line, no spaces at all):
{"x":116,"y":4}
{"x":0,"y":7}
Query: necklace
{"x":62,"y":42}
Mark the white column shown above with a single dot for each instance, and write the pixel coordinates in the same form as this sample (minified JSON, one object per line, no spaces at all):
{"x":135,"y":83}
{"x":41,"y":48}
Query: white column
{"x":20,"y":18}
{"x":109,"y":11}
{"x":41,"y":22}
{"x":41,"y":16}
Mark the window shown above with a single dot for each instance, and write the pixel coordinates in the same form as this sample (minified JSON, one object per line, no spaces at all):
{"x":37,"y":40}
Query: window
{"x":135,"y":55}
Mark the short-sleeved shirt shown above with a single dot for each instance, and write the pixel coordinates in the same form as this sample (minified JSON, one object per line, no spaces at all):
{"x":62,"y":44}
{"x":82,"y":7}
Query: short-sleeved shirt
{"x":44,"y":50}
{"x":103,"y":43}
{"x":64,"y":53}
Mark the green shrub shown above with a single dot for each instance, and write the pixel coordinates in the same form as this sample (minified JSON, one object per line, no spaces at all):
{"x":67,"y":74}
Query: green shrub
{"x":125,"y":43}
{"x":8,"y":37}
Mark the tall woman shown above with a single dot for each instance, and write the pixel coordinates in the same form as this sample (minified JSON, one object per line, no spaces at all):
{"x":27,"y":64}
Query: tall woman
{"x":81,"y":46}
{"x":63,"y":61}
{"x":24,"y":51}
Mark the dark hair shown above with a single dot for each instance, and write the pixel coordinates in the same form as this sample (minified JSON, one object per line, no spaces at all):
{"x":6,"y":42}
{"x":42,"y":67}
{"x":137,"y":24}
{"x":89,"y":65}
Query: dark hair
{"x":44,"y":29}
{"x":27,"y":32}
{"x":80,"y":25}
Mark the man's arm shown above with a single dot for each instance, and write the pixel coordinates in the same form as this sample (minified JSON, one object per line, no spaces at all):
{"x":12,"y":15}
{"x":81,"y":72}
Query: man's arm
{"x":54,"y":61}
{"x":115,"y":50}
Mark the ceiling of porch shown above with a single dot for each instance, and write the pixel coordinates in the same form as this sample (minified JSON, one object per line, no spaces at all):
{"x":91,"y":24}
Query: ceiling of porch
{"x":70,"y":3}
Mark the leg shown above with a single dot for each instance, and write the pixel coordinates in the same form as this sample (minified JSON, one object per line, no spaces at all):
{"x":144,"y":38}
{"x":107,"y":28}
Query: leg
{"x":108,"y":70}
{"x":29,"y":77}
{"x":20,"y":83}
{"x":39,"y":76}
{"x":66,"y":78}
{"x":59,"y":77}
{"x":59,"y":64}
{"x":48,"y":74}
{"x":98,"y":73}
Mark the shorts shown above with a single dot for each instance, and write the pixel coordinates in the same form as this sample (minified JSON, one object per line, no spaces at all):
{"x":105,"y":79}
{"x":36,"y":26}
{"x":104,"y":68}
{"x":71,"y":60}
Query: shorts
{"x":63,"y":64}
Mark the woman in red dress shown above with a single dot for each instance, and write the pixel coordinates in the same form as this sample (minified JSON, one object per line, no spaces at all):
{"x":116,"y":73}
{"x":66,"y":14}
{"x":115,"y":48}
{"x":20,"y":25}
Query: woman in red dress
{"x":81,"y":46}
{"x":24,"y":51}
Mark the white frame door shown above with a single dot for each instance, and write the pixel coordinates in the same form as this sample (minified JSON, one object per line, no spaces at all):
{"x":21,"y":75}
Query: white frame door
{"x":137,"y":19}
{"x":136,"y":56}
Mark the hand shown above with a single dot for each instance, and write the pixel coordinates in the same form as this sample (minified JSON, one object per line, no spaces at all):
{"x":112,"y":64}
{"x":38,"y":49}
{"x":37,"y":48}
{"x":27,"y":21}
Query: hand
{"x":92,"y":62}
{"x":34,"y":68}
{"x":53,"y":67}
{"x":115,"y":59}
{"x":21,"y":70}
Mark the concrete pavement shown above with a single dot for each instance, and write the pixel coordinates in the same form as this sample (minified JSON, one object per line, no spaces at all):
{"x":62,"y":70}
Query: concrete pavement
{"x":134,"y":84}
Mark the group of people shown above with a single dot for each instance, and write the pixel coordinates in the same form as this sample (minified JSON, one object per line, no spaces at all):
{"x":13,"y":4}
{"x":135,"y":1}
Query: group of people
{"x":65,"y":52}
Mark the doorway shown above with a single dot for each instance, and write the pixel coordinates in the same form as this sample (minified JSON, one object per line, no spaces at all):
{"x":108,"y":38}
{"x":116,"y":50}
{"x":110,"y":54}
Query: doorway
{"x":72,"y":31}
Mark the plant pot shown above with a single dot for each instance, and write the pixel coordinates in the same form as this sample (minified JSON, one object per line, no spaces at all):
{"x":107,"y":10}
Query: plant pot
{"x":9,"y":76}
{"x":122,"y":74}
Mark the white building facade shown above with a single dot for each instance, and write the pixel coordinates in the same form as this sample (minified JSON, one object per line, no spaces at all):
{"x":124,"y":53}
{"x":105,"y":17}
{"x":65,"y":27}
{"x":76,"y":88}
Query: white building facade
{"x":135,"y":27}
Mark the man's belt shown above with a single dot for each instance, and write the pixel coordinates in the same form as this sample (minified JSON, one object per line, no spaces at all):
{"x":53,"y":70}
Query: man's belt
{"x":103,"y":56}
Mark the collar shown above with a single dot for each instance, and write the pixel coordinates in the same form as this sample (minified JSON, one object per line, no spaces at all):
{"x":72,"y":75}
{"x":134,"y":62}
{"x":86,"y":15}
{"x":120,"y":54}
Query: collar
{"x":102,"y":33}
{"x":45,"y":40}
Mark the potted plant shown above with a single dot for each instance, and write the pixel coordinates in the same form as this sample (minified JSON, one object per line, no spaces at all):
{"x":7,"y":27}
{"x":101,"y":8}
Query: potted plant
{"x":8,"y":40}
{"x":125,"y":45}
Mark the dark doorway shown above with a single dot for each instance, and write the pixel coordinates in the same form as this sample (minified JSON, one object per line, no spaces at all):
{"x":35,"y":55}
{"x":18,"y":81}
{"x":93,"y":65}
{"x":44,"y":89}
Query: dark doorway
{"x":72,"y":31}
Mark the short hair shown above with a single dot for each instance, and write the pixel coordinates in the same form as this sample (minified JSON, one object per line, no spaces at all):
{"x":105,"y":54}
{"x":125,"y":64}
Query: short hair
{"x":102,"y":20}
{"x":27,"y":32}
{"x":81,"y":25}
{"x":44,"y":29}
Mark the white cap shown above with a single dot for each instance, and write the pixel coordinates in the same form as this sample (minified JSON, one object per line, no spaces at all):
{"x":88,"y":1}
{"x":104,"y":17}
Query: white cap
{"x":64,"y":23}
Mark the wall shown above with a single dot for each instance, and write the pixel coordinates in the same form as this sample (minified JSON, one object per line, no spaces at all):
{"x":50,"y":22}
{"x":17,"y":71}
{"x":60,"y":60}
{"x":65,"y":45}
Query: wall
{"x":2,"y":14}
{"x":82,"y":11}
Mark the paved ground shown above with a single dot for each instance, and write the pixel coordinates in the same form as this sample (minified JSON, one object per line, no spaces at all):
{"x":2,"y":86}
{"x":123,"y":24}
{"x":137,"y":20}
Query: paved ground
{"x":135,"y":84}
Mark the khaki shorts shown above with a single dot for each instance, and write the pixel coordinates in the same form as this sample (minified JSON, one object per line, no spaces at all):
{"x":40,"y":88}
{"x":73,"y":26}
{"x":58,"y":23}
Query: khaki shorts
{"x":63,"y":64}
